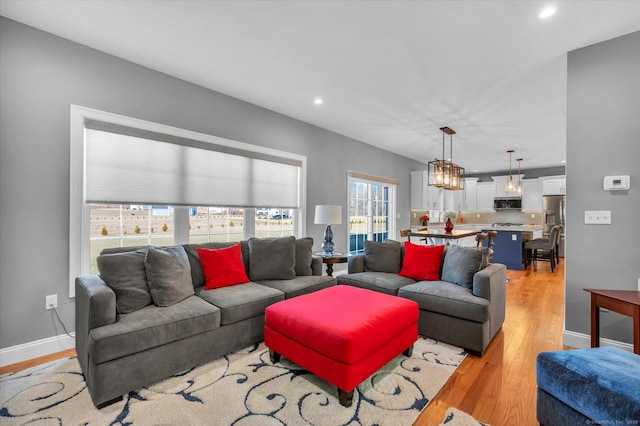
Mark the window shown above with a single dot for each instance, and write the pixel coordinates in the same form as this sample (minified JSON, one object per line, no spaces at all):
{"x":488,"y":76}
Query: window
{"x":133,"y":182}
{"x":371,"y":207}
{"x":215,"y":224}
{"x":119,"y":225}
{"x":274,"y":222}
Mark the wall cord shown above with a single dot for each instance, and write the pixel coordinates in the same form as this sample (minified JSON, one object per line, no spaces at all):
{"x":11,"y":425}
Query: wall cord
{"x":55,"y":310}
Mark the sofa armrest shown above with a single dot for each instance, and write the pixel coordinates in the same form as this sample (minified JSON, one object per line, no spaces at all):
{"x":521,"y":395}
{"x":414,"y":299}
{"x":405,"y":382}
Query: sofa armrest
{"x":490,"y":282}
{"x":316,"y":265}
{"x":95,"y":307}
{"x":355,"y":264}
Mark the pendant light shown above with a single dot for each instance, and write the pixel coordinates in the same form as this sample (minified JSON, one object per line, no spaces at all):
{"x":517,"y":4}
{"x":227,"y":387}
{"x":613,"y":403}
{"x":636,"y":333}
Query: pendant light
{"x":510,"y":187}
{"x":445,"y":173}
{"x":519,"y":186}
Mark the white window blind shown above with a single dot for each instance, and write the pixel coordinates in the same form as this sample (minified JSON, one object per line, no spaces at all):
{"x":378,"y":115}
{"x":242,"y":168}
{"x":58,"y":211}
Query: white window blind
{"x":124,"y":165}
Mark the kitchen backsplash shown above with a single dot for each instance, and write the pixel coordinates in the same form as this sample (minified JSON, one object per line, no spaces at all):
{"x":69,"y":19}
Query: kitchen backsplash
{"x":512,"y":216}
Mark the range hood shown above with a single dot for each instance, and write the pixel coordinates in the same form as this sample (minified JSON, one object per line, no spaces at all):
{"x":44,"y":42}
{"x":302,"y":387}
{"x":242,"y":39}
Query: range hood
{"x":507,"y":203}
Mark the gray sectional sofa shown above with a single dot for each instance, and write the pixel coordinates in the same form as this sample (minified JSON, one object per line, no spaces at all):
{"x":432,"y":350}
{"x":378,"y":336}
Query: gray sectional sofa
{"x":463,"y":305}
{"x":147,"y":315}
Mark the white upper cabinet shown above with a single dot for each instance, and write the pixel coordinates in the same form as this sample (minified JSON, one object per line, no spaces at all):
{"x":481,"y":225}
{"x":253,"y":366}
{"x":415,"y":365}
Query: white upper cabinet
{"x":554,"y":185}
{"x":423,"y":196}
{"x":486,"y":191}
{"x":454,"y":200}
{"x":471,"y":196}
{"x":532,"y":196}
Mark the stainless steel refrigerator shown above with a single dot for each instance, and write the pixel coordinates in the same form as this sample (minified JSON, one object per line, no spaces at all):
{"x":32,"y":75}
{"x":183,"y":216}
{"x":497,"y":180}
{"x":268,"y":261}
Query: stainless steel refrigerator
{"x":553,"y":213}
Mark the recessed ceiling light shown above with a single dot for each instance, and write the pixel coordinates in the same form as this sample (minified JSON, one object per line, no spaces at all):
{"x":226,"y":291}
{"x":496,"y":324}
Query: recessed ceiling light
{"x":563,"y":161}
{"x":317,"y":101}
{"x":546,"y":12}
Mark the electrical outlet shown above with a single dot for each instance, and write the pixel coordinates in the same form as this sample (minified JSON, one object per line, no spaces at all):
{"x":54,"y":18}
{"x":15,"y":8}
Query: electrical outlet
{"x":415,"y":215}
{"x":533,"y":215}
{"x":478,"y":215}
{"x":597,"y":217}
{"x":51,"y":301}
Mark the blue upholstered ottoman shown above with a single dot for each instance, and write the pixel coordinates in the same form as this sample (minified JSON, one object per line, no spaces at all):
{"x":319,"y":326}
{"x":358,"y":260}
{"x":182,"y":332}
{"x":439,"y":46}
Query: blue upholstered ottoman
{"x":588,"y":386}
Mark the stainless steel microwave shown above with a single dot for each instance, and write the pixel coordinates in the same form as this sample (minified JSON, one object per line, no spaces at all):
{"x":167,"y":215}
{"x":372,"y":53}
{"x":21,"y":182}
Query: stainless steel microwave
{"x":503,"y":203}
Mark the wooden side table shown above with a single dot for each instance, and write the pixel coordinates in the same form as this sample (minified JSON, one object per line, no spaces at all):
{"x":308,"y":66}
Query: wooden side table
{"x":331,"y":260}
{"x":625,"y":302}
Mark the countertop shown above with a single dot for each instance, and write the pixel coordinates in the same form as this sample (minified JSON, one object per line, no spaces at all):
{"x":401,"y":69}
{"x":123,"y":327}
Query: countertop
{"x":483,"y":226}
{"x":520,"y":228}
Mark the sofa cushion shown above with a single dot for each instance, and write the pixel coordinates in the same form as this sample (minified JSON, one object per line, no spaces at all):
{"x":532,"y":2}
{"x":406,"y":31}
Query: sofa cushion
{"x":460,"y":263}
{"x":272,"y":258}
{"x":222,"y":267}
{"x":300,"y":285}
{"x":382,"y":257}
{"x":304,"y":254}
{"x":447,"y":299}
{"x":241,"y":301}
{"x":382,"y":282}
{"x":421,"y":262}
{"x":168,"y":275}
{"x":124,"y":273}
{"x":150,"y":327}
{"x":197,"y":277}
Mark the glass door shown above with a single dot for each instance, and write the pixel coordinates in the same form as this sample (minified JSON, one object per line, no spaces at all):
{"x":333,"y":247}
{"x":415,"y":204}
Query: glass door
{"x":370,"y":205}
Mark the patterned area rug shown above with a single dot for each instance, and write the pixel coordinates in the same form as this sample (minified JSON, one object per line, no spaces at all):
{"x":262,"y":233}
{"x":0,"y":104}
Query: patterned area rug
{"x":242,"y":388}
{"x":455,"y":417}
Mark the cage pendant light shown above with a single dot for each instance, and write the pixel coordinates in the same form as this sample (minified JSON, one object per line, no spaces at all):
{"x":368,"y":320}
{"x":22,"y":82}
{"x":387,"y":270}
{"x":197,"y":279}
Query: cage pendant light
{"x":510,"y":187}
{"x":444,"y":173}
{"x":519,"y":185}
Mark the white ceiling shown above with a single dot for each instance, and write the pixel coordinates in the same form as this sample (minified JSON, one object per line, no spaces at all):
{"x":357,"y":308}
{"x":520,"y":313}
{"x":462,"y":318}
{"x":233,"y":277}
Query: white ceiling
{"x":391,"y":73}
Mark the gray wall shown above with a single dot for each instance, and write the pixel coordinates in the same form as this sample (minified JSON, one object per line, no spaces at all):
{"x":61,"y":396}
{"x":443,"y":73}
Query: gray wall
{"x":40,"y":76}
{"x":603,"y":138}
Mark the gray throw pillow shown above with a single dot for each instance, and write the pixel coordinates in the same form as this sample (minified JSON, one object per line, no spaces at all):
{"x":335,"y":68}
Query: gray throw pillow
{"x":272,"y":258}
{"x":382,"y":257}
{"x":304,"y":255}
{"x":124,"y":273}
{"x":168,"y":275}
{"x":461,"y":263}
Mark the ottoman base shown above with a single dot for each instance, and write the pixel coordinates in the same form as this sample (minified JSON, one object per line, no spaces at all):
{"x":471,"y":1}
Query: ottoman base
{"x":309,"y":359}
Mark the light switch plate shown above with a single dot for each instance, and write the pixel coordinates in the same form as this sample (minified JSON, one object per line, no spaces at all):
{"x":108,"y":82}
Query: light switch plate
{"x":597,"y":217}
{"x":514,"y":237}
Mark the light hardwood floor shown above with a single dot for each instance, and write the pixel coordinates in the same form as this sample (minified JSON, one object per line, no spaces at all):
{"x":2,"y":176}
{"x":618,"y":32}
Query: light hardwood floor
{"x":500,"y":387}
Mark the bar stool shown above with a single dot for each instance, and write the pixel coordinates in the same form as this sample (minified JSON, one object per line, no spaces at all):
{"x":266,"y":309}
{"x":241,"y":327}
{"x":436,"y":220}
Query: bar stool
{"x":480,"y":239}
{"x":543,"y":248}
{"x":491,"y":235}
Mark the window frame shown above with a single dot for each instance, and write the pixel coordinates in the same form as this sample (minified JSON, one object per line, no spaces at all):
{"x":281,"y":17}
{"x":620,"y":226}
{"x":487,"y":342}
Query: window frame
{"x":79,"y":210}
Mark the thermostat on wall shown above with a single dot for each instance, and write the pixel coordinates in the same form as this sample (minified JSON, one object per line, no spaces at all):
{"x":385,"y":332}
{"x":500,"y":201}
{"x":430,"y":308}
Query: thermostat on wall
{"x":616,"y":183}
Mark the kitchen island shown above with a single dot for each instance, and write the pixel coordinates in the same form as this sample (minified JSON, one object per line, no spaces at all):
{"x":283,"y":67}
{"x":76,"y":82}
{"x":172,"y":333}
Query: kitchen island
{"x":509,"y":243}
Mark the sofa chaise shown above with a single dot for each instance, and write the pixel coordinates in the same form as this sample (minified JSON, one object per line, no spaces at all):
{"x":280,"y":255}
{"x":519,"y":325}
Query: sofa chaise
{"x":461,"y":295}
{"x":156,"y":311}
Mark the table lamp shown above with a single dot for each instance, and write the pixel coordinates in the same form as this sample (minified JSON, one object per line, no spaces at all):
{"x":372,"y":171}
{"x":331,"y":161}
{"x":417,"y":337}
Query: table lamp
{"x":327,"y":214}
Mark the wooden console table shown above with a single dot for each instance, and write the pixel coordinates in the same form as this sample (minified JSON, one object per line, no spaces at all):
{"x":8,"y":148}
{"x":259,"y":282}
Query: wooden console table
{"x":625,"y":302}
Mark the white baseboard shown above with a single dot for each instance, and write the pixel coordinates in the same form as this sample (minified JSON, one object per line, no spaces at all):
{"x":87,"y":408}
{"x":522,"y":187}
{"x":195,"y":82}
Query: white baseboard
{"x":583,"y":341}
{"x":30,"y":350}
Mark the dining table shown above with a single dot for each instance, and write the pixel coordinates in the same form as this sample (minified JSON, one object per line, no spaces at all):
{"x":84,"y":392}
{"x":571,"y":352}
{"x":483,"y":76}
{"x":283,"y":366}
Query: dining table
{"x":440,"y":233}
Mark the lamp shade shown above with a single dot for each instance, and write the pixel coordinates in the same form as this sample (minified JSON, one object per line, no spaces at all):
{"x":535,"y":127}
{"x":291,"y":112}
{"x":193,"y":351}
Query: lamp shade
{"x":328,"y":214}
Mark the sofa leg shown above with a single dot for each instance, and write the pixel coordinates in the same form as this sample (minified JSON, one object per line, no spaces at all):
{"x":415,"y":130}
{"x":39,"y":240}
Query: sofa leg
{"x":113,"y":401}
{"x":274,"y":356}
{"x":473,"y":353}
{"x":346,"y":398}
{"x":408,"y":352}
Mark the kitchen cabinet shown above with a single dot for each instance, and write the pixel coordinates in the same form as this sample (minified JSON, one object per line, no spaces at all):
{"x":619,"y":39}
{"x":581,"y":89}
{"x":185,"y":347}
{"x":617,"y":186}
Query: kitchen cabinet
{"x":485,"y":193}
{"x":532,"y":196}
{"x":470,"y":196}
{"x":423,"y":196}
{"x":554,"y":185}
{"x":453,"y":200}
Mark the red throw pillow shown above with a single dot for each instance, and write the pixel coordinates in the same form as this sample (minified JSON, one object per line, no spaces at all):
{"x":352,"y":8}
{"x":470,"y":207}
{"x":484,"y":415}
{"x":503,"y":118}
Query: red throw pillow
{"x":222,"y":267}
{"x":421,"y":262}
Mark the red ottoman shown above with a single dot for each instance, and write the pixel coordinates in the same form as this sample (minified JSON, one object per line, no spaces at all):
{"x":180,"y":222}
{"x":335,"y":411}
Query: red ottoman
{"x":342,"y":334}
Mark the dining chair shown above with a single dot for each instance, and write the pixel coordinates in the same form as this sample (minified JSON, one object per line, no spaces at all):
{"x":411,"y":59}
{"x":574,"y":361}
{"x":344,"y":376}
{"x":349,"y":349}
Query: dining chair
{"x":544,"y":249}
{"x":491,"y":236}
